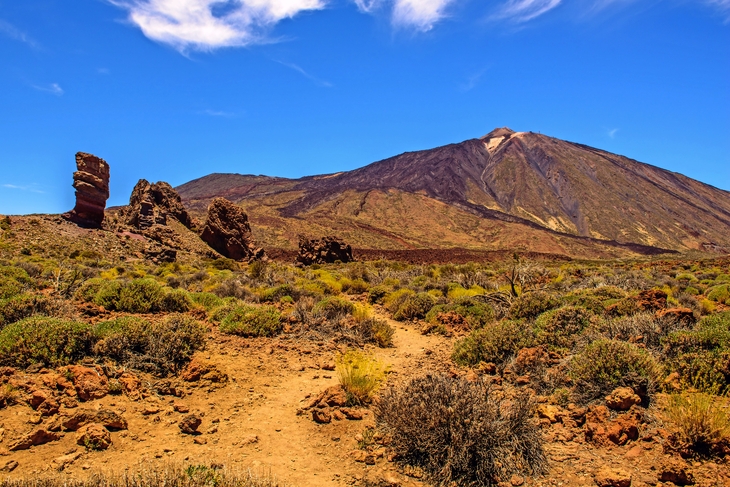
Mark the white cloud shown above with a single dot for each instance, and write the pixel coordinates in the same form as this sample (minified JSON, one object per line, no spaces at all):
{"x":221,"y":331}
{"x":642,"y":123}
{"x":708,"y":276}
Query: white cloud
{"x":723,"y":6}
{"x":218,"y":113}
{"x":612,"y":133}
{"x":211,"y":24}
{"x":314,"y":79}
{"x":420,"y":14}
{"x":32,"y":188}
{"x":13,"y":32}
{"x":525,"y":10}
{"x":368,"y":6}
{"x":53,"y":89}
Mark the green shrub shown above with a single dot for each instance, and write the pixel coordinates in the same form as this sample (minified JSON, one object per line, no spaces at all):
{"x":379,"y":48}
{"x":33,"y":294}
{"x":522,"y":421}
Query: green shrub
{"x":461,"y":433}
{"x":377,"y":294}
{"x":274,"y":294}
{"x":360,"y":376}
{"x":476,"y":313}
{"x":719,"y":294}
{"x":246,"y":320}
{"x":607,"y":364}
{"x":175,"y":301}
{"x":88,"y":291}
{"x":395,"y":299}
{"x":22,"y":306}
{"x":139,"y":296}
{"x":589,"y":302}
{"x":122,"y":338}
{"x":107,"y":295}
{"x":414,"y":307}
{"x":206,"y":300}
{"x":333,"y":308}
{"x":699,"y":422}
{"x":354,"y":286}
{"x":530,"y":305}
{"x":621,"y":307}
{"x":559,"y":328}
{"x":45,"y":340}
{"x":494,"y":343}
{"x":9,"y":287}
{"x":373,"y":330}
{"x":172,"y":342}
{"x":223,"y":264}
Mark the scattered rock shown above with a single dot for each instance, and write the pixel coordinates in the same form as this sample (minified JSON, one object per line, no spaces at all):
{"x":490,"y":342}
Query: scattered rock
{"x":89,"y":382}
{"x":550,"y":412}
{"x":94,"y":436}
{"x":321,"y":416}
{"x":353,"y":413}
{"x":190,"y":424}
{"x":37,"y":437}
{"x":622,"y":398}
{"x":612,"y":477}
{"x":334,"y":396}
{"x":180,"y":408}
{"x":91,"y":181}
{"x":516,"y":480}
{"x":676,"y":471}
{"x":131,"y":385}
{"x":227,"y":231}
{"x":60,"y":463}
{"x":326,"y":250}
{"x":9,"y":466}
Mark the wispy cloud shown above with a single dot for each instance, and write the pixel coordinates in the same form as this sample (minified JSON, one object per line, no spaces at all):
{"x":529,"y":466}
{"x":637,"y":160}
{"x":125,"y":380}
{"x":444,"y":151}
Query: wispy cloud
{"x":525,"y":10}
{"x":420,"y":14}
{"x":218,"y":113}
{"x":472,"y":81}
{"x":53,"y":89}
{"x":103,"y":71}
{"x":9,"y":30}
{"x":32,"y":188}
{"x":612,"y":133}
{"x":722,"y":6}
{"x":317,"y":81}
{"x":210,"y":24}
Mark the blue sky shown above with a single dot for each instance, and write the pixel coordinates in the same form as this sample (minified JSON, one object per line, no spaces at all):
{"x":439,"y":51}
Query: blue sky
{"x":175,"y":89}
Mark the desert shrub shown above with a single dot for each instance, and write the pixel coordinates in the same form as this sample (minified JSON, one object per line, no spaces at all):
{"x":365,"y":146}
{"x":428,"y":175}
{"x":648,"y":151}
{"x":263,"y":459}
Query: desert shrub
{"x":530,"y":305}
{"x":621,"y":307}
{"x":45,"y":340}
{"x":692,"y":291}
{"x":373,"y":330}
{"x":223,"y":264}
{"x":206,"y":300}
{"x":700,"y":424}
{"x":175,"y":301}
{"x":605,"y":293}
{"x":719,"y":294}
{"x":354,"y":286}
{"x":589,"y":302}
{"x":645,"y":325}
{"x":607,"y":364}
{"x":16,"y":273}
{"x":139,"y":296}
{"x":161,"y":347}
{"x":9,"y":395}
{"x":377,"y":294}
{"x":461,"y":433}
{"x":23,"y":306}
{"x":414,"y":307}
{"x":274,"y":294}
{"x":559,"y":328}
{"x":395,"y":299}
{"x":247,"y":320}
{"x":360,"y":376}
{"x":333,"y":307}
{"x":476,"y":313}
{"x":107,"y":295}
{"x":494,"y":343}
{"x":232,"y":288}
{"x":9,"y":287}
{"x":701,"y":356}
{"x":88,"y":291}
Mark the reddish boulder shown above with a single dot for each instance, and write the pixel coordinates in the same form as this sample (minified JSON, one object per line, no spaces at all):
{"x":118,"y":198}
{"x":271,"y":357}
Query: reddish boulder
{"x":190,"y":424}
{"x":612,"y":477}
{"x":326,"y":250}
{"x":152,"y":204}
{"x":37,"y":437}
{"x":652,"y":300}
{"x":89,"y":382}
{"x":676,"y":471}
{"x":321,"y":416}
{"x":94,"y":436}
{"x":227,"y":231}
{"x":91,"y":181}
{"x":622,"y":398}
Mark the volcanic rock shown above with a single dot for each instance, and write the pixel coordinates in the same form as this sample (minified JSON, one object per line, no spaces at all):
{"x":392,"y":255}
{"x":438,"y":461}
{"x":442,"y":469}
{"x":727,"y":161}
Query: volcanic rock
{"x":91,"y":181}
{"x":94,"y":437}
{"x":190,"y":424}
{"x":326,"y":250}
{"x":227,"y":231}
{"x":152,"y":204}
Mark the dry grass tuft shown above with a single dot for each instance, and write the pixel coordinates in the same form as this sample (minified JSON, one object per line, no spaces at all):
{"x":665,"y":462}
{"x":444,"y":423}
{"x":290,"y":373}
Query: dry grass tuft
{"x":360,"y":375}
{"x":700,"y":423}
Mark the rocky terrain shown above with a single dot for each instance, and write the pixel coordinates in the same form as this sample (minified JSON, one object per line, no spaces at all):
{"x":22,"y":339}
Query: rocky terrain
{"x":516,"y":190}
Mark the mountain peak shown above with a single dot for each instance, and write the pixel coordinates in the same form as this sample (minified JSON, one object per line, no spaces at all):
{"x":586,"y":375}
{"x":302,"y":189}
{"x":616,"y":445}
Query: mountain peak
{"x":499,"y":132}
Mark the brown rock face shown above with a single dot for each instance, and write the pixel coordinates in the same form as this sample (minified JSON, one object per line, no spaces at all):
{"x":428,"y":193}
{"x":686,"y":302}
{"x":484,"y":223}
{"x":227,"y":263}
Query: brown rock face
{"x":326,"y":250}
{"x":152,"y":204}
{"x":227,"y":231}
{"x":91,"y":181}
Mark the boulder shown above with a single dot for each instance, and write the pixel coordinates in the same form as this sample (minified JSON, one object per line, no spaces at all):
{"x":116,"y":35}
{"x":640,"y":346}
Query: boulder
{"x":227,"y":231}
{"x":152,"y":204}
{"x":325,"y":250}
{"x":681,"y":315}
{"x":89,"y":382}
{"x":676,"y":471}
{"x":94,"y":436}
{"x":622,"y":398}
{"x":37,"y":437}
{"x":190,"y":424}
{"x":321,"y":416}
{"x":91,"y":181}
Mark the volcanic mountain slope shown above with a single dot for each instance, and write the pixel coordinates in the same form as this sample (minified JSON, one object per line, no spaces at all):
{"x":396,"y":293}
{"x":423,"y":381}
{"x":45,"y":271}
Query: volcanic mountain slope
{"x":507,"y":189}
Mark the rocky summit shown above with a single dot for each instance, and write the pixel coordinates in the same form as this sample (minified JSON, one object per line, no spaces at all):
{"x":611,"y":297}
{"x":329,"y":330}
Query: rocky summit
{"x":91,"y":181}
{"x":152,"y":204}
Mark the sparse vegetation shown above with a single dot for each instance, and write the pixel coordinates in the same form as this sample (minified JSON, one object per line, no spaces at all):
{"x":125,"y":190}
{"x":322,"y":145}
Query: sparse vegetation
{"x":701,"y":426}
{"x":360,"y":376}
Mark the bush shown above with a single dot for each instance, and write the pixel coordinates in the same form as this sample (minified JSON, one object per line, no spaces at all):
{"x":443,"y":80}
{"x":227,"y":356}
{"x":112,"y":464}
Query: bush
{"x":139,"y":296}
{"x":476,"y":313}
{"x":274,"y":294}
{"x":607,"y":364}
{"x":160,"y":347}
{"x":333,"y":308}
{"x":377,"y":294}
{"x":88,"y":291}
{"x":700,"y":424}
{"x":22,"y":306}
{"x":494,"y":343}
{"x":560,"y":327}
{"x":246,"y":320}
{"x":414,"y":307}
{"x":107,"y":295}
{"x":175,"y":301}
{"x":530,"y":305}
{"x":719,"y":294}
{"x":394,"y":300}
{"x":360,"y":376}
{"x":372,"y":330}
{"x":206,"y":300}
{"x":44,"y":340}
{"x":460,"y":433}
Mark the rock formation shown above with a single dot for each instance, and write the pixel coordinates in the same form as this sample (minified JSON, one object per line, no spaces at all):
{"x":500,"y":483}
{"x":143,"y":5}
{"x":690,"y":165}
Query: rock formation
{"x":227,"y":231}
{"x":326,"y":250}
{"x":152,"y":204}
{"x":91,"y":181}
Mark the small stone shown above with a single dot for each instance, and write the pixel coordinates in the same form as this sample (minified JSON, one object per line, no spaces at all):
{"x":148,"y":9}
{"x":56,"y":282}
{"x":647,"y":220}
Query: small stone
{"x":9,"y":466}
{"x":622,"y":398}
{"x":189,"y":424}
{"x":181,"y":408}
{"x":612,"y":477}
{"x":321,"y":416}
{"x":516,"y":480}
{"x":676,"y":471}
